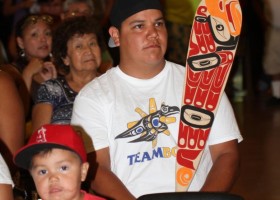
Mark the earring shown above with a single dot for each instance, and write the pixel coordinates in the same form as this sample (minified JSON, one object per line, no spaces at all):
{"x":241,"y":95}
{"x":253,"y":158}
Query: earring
{"x":22,"y":53}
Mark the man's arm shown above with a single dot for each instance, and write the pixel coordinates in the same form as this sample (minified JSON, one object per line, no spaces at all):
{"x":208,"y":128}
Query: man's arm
{"x":105,"y":182}
{"x":225,"y":157}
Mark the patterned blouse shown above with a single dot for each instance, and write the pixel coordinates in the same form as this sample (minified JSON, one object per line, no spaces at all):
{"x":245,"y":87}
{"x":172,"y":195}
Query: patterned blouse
{"x":58,"y":93}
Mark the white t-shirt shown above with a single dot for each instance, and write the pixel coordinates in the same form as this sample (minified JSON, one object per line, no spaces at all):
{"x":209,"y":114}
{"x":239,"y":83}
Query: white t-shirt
{"x":144,"y":154}
{"x":5,"y":176}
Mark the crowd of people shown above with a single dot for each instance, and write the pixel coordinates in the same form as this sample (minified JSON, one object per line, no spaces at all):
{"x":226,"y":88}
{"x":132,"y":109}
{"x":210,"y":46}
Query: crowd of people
{"x":70,"y":102}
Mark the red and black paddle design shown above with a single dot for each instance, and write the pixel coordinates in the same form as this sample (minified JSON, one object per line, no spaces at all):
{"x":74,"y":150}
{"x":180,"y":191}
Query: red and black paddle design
{"x":213,"y":42}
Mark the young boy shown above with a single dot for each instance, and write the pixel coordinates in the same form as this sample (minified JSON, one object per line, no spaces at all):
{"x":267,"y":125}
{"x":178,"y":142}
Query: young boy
{"x":57,"y":161}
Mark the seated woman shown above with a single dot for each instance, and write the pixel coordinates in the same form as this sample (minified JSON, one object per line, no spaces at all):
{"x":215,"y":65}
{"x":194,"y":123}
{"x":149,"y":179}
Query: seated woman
{"x":34,"y":40}
{"x":76,"y":51}
{"x":74,"y":8}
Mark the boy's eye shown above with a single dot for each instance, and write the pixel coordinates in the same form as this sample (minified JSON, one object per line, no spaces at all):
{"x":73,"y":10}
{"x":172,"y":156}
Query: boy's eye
{"x":42,"y":172}
{"x":64,"y":168}
{"x":34,"y":34}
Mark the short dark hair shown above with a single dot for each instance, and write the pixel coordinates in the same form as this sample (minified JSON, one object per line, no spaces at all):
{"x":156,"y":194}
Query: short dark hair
{"x":68,"y":29}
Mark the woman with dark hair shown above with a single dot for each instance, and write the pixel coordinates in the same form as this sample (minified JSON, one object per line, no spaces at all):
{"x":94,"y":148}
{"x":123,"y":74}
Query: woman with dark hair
{"x":76,"y":53}
{"x":34,"y":40}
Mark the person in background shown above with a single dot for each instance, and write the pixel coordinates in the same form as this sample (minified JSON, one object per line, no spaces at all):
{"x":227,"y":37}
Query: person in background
{"x":34,"y":65}
{"x":124,"y":112}
{"x":76,"y":52}
{"x":271,"y":59}
{"x":179,"y":16}
{"x":34,"y":40}
{"x":52,"y":8}
{"x":6,"y":182}
{"x":102,"y":9}
{"x":56,"y":158}
{"x":8,"y":10}
{"x":74,"y":8}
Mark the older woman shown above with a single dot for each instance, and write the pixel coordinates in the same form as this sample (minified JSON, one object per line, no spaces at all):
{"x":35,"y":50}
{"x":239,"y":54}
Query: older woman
{"x":76,"y":52}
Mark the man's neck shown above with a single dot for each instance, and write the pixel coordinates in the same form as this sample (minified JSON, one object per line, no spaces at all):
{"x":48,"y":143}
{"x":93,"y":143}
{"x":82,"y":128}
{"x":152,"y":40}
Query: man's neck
{"x":142,"y":71}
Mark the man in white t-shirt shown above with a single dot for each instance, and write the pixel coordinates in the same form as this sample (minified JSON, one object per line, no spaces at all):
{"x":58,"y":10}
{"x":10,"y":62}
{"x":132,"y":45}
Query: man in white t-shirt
{"x":6,"y":182}
{"x":132,"y":114}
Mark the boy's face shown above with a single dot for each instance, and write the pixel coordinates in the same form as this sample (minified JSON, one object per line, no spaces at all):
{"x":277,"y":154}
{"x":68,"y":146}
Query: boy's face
{"x":58,"y":175}
{"x":143,"y":38}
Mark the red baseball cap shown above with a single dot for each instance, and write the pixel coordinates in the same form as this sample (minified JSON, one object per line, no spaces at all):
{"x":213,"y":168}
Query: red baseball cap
{"x":50,"y":136}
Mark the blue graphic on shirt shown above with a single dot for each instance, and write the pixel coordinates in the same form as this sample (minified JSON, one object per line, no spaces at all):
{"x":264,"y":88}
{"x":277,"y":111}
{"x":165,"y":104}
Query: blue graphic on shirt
{"x":156,"y":153}
{"x":151,"y":125}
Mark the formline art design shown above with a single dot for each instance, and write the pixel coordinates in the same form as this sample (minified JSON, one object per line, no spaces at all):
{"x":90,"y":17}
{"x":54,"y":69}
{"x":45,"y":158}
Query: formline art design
{"x":212,"y":46}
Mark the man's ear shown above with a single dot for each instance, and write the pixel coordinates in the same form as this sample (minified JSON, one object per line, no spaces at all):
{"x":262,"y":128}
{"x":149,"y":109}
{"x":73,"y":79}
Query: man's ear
{"x":84,"y":170}
{"x":115,"y":34}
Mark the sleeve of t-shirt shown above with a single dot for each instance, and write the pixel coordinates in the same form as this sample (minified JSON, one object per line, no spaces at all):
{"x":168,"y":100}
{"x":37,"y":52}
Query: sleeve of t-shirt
{"x":5,"y":176}
{"x":47,"y":92}
{"x":225,"y":127}
{"x":89,"y":114}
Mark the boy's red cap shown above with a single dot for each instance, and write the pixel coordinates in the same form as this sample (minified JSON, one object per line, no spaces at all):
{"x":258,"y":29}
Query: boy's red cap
{"x":50,"y":136}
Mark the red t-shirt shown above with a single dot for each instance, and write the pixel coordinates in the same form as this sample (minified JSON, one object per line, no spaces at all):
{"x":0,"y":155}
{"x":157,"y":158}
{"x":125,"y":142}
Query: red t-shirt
{"x":88,"y":196}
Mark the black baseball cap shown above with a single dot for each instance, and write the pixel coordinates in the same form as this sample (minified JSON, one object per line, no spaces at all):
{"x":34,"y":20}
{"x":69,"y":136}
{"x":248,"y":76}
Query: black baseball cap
{"x":122,"y":9}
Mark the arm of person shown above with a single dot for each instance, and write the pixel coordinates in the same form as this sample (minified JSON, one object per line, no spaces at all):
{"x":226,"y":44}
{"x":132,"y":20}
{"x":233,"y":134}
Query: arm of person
{"x":225,"y":157}
{"x":6,"y":192}
{"x":39,"y":71}
{"x":106,"y":183}
{"x":41,"y":114}
{"x":11,"y":119}
{"x":20,"y":84}
{"x":32,"y":69}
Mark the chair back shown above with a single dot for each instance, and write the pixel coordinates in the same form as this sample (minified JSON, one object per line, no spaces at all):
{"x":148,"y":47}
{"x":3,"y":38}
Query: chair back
{"x":191,"y":196}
